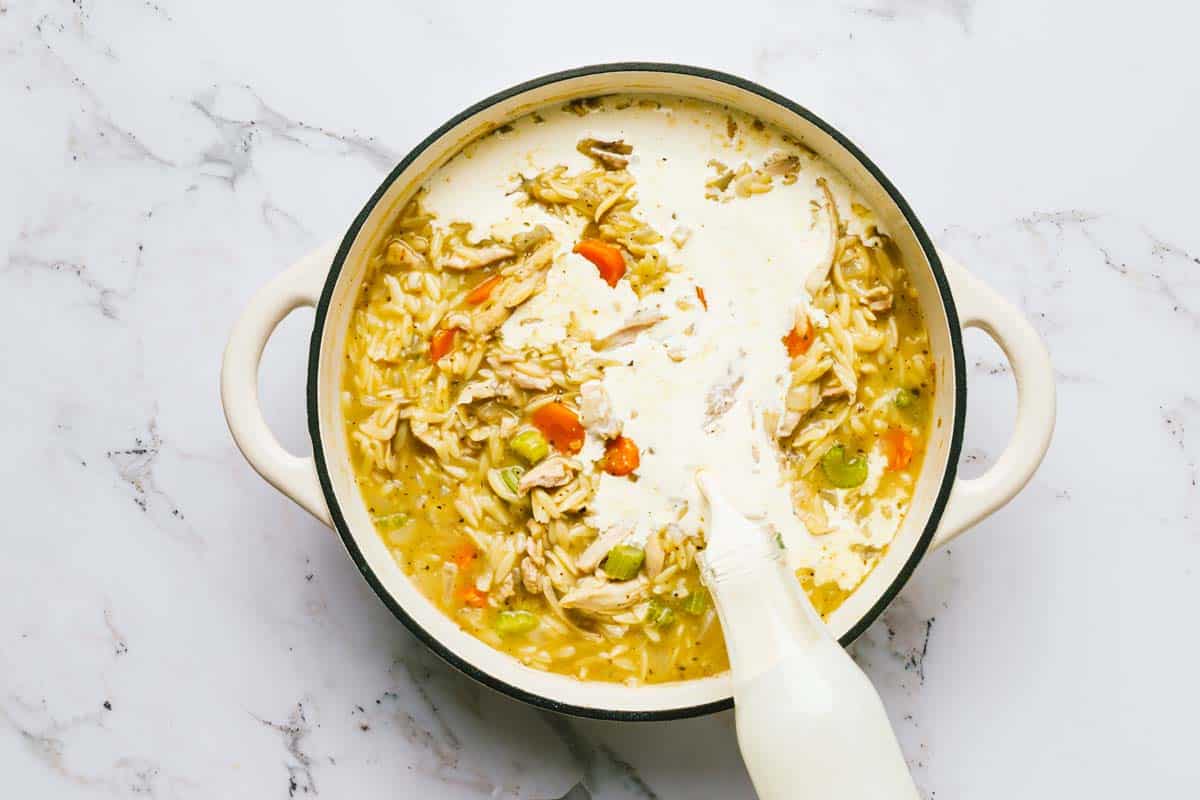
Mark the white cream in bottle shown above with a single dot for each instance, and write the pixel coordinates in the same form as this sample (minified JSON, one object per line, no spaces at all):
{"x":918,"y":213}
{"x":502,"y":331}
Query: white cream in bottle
{"x":809,"y":722}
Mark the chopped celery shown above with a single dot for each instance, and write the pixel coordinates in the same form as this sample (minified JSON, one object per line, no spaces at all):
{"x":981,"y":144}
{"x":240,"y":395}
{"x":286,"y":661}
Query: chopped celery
{"x":530,"y":445}
{"x":904,"y":398}
{"x":624,"y":561}
{"x":515,"y":623}
{"x":504,"y":482}
{"x":695,"y":603}
{"x":659,"y":614}
{"x":390,"y":522}
{"x":512,"y":476}
{"x":842,"y":472}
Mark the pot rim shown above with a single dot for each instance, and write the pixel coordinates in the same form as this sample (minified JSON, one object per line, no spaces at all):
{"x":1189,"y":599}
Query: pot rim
{"x":322,"y":309}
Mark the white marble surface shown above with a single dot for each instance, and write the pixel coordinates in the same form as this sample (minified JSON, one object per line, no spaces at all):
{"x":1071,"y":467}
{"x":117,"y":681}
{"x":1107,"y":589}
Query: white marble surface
{"x":172,"y":627}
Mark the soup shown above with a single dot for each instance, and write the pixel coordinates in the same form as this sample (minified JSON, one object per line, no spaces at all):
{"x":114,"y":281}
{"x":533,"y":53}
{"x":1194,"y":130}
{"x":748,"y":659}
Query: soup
{"x":581,"y":309}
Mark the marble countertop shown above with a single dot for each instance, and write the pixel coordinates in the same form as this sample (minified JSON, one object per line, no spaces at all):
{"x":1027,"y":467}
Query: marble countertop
{"x":173,"y":627}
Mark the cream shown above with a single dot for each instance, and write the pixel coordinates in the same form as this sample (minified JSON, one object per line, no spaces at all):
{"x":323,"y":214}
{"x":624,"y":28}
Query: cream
{"x":691,"y":391}
{"x":575,"y":299}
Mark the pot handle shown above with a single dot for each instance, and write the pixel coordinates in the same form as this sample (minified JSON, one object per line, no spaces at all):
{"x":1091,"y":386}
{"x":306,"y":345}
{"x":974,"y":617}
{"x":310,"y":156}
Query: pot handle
{"x":299,"y":285}
{"x":981,"y":307}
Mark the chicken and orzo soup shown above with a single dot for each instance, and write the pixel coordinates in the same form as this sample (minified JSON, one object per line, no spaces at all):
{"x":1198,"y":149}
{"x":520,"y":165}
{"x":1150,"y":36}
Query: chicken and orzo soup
{"x":580,"y":310}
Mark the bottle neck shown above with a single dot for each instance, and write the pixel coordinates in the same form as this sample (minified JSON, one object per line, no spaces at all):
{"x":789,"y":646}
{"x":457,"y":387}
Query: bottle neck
{"x":764,"y":613}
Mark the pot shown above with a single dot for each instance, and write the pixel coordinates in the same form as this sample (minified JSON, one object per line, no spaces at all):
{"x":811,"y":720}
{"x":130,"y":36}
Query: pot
{"x":950,"y":297}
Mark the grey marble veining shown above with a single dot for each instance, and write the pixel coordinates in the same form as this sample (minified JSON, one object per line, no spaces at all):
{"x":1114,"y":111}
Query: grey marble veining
{"x":171,"y":627}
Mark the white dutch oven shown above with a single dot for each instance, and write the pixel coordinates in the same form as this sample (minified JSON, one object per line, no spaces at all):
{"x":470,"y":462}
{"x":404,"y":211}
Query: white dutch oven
{"x":951,"y":299}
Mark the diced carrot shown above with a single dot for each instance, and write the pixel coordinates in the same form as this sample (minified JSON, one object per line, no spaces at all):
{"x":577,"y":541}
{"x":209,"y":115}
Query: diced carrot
{"x":463,"y":555}
{"x":703,"y":299}
{"x":483,"y":291}
{"x":473,"y":597}
{"x":560,"y":426}
{"x":441,"y":343}
{"x":797,"y":342}
{"x":621,"y":456}
{"x":605,"y":256}
{"x":899,"y":445}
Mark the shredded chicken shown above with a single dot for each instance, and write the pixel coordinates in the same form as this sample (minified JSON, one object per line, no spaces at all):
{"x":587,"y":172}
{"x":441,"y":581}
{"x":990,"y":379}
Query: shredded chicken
{"x":427,"y":435}
{"x":604,"y":597}
{"x":799,"y":401}
{"x":381,"y":425}
{"x":400,"y":254}
{"x":538,"y":383}
{"x":556,"y":607}
{"x":820,"y":273}
{"x":639,"y":321}
{"x":531,"y":577}
{"x":598,"y":549}
{"x":464,"y":257}
{"x":481,"y":433}
{"x":508,"y":426}
{"x":595,"y":411}
{"x":610,"y":155}
{"x":505,"y":589}
{"x":524,"y":242}
{"x":879,"y":299}
{"x":518,"y":285}
{"x":835,"y":389}
{"x":527,"y":280}
{"x":554,"y":471}
{"x":484,"y":389}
